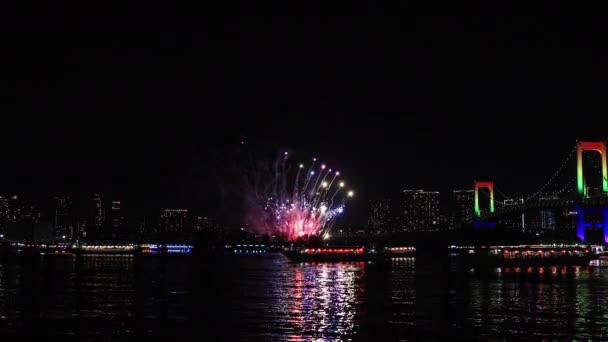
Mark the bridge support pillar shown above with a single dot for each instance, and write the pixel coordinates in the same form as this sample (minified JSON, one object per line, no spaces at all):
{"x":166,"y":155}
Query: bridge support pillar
{"x":483,"y":224}
{"x":580,"y":223}
{"x":605,"y":224}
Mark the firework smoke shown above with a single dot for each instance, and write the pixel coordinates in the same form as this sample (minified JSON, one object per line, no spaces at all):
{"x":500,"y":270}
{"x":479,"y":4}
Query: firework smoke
{"x":294,"y":201}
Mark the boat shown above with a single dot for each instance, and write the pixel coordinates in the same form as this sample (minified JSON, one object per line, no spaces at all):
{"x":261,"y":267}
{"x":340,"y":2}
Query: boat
{"x":334,"y":253}
{"x":400,"y":251}
{"x":529,"y":255}
{"x":105,"y":249}
{"x":347,"y":253}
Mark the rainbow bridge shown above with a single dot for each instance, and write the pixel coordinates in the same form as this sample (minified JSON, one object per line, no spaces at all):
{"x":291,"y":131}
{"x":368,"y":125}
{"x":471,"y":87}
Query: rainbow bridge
{"x":582,"y":196}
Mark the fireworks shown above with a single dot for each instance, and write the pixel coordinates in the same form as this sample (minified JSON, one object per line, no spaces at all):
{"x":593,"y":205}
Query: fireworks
{"x":295,"y":202}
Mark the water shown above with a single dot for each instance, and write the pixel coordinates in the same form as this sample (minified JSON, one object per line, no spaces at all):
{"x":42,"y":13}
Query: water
{"x":105,"y":298}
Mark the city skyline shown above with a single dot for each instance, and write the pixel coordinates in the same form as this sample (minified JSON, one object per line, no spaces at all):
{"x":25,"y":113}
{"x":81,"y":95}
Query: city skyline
{"x":294,"y":171}
{"x":416,"y":210}
{"x":385,"y":106}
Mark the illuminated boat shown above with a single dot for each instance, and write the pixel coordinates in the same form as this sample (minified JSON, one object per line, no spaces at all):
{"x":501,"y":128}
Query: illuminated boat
{"x":248,"y":249}
{"x":166,"y":248}
{"x":105,"y":249}
{"x":530,"y":255}
{"x":337,"y":253}
{"x":400,"y":251}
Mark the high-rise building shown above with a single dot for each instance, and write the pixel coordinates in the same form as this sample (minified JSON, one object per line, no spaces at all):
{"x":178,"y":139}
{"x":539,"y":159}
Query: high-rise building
{"x":62,"y":222}
{"x":116,"y":218}
{"x":548,"y":219}
{"x":420,"y":210}
{"x":464,"y":202}
{"x":99,"y":211}
{"x":173,"y":220}
{"x":14,"y":209}
{"x":204,"y":224}
{"x":81,"y":228}
{"x":5,"y":214}
{"x":22,"y":211}
{"x":379,"y":220}
{"x":143,"y":228}
{"x":517,"y":220}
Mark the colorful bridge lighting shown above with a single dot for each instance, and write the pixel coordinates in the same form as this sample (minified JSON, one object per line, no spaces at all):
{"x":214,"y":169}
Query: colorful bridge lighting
{"x":581,"y":212}
{"x":598,"y":146}
{"x":490,"y":186}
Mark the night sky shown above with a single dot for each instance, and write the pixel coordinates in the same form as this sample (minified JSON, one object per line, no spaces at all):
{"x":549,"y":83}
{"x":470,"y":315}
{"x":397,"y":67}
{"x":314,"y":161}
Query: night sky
{"x":147,"y":101}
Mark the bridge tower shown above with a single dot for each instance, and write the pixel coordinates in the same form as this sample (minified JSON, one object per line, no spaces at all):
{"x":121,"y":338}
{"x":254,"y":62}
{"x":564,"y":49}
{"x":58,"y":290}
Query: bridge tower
{"x":600,"y":147}
{"x":477,"y":223}
{"x":490,"y":186}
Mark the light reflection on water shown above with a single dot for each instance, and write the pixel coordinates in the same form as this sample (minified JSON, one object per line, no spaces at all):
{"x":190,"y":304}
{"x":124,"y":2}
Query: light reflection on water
{"x":99,"y":297}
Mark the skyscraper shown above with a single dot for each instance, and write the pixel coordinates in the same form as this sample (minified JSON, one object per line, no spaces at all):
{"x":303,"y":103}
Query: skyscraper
{"x":548,"y":218}
{"x":464,"y":207}
{"x":62,"y":222}
{"x":116,"y":218}
{"x":420,"y":210}
{"x":173,"y":220}
{"x":379,"y":220}
{"x":203,"y":224}
{"x":5,"y":214}
{"x":99,"y":211}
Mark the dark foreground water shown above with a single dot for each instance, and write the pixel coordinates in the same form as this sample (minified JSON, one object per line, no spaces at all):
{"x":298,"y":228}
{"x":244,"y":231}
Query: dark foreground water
{"x":102,"y":298}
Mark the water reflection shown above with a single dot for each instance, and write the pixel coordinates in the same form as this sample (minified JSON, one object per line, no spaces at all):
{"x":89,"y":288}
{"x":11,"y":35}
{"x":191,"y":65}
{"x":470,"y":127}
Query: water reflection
{"x":104,"y":297}
{"x":539,"y":302}
{"x":324,"y":299}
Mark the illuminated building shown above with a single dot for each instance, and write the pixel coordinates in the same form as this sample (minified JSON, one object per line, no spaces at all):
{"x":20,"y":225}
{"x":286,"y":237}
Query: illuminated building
{"x":4,"y":214}
{"x":143,"y":228}
{"x":21,"y":219}
{"x":379,"y":221}
{"x":81,"y":228}
{"x":420,"y":210}
{"x":517,"y":220}
{"x":548,"y":218}
{"x":99,"y":214}
{"x":203,"y":224}
{"x":463,"y":207}
{"x":116,"y":218}
{"x":173,"y":220}
{"x":62,"y":222}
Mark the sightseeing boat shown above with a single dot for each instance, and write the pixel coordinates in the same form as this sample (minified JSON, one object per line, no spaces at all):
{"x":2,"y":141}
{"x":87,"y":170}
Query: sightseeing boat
{"x":347,"y":253}
{"x":400,"y":251}
{"x":530,"y":255}
{"x":334,"y":253}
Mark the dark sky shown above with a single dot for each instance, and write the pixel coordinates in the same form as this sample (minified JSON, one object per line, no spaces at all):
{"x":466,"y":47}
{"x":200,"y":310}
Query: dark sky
{"x":145,"y":101}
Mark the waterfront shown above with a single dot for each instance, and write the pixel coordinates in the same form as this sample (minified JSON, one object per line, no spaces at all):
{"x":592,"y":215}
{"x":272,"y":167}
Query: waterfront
{"x":264,"y":297}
